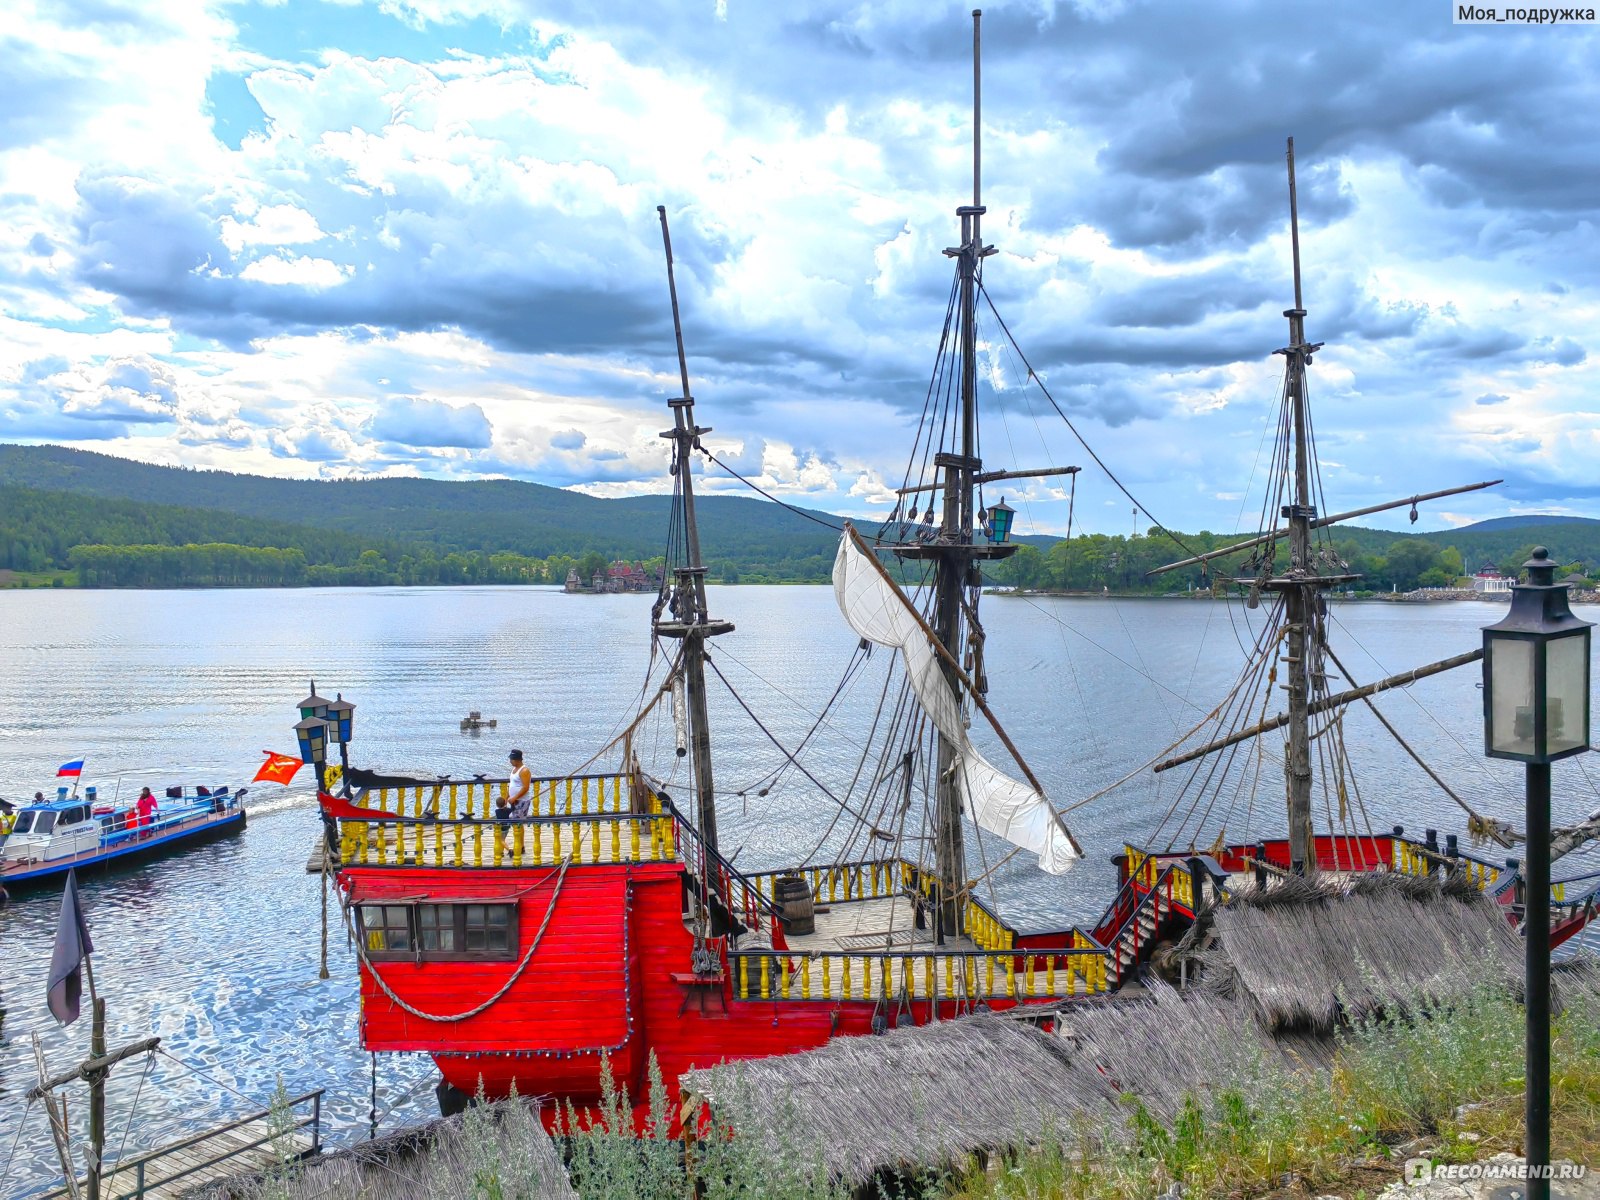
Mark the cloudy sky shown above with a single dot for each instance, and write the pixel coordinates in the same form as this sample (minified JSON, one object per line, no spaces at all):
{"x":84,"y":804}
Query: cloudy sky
{"x":419,"y":237}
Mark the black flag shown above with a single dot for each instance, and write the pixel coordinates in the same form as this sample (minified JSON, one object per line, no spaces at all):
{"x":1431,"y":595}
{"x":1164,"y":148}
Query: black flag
{"x":66,"y":964}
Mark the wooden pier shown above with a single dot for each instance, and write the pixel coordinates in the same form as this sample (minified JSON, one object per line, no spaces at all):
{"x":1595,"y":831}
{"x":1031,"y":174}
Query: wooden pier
{"x":246,"y":1146}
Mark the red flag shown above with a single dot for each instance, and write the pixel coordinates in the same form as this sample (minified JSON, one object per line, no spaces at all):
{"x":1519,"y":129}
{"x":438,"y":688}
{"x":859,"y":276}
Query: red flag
{"x":279,"y":768}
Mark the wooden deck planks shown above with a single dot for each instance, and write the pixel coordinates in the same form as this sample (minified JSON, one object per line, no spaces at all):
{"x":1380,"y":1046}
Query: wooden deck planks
{"x":859,"y":920}
{"x":232,"y":1146}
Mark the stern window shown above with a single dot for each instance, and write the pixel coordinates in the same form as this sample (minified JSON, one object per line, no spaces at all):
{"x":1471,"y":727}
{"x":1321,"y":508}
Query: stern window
{"x":439,"y":932}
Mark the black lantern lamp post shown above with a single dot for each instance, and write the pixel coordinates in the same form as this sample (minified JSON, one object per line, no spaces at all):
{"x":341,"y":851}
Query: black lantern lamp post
{"x":1536,"y":710}
{"x":341,"y":725}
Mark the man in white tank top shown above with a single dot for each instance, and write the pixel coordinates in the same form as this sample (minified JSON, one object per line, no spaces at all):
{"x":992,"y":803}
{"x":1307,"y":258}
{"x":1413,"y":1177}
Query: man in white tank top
{"x":521,"y":799}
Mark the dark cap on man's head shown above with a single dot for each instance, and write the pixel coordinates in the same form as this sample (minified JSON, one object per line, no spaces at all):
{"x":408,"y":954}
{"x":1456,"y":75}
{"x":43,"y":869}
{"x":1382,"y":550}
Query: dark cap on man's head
{"x":516,"y":756}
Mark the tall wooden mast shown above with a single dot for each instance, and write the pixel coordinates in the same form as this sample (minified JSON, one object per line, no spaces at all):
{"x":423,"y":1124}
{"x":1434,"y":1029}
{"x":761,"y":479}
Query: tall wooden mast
{"x":1305,"y":636}
{"x":953,"y":551}
{"x":1301,"y":585}
{"x":688,"y":617}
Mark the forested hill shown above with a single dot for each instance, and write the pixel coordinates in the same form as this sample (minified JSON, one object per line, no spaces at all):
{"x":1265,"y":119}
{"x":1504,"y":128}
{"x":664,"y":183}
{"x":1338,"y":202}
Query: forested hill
{"x":488,"y":515}
{"x":114,"y":522}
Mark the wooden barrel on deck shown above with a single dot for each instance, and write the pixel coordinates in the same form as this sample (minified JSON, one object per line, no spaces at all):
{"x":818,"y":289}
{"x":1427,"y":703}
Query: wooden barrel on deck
{"x":792,"y":894}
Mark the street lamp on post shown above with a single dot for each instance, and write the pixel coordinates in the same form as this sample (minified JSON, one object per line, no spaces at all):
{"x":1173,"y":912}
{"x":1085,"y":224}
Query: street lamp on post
{"x":341,"y":725}
{"x":1536,"y":710}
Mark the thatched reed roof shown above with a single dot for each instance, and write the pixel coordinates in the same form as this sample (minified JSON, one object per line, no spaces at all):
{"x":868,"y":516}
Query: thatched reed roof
{"x":912,"y":1098}
{"x":920,"y":1098}
{"x":445,"y":1159}
{"x":1167,"y":1044}
{"x":1278,"y":968}
{"x":1307,"y":954}
{"x":1577,"y":979}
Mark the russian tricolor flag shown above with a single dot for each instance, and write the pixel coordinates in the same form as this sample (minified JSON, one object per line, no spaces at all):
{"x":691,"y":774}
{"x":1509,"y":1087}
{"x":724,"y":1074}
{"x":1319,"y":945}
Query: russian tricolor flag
{"x":71,"y":770}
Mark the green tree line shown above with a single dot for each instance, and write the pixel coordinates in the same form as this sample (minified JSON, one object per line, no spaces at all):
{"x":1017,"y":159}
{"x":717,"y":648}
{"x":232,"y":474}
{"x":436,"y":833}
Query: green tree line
{"x":1096,"y":562}
{"x":222,"y":564}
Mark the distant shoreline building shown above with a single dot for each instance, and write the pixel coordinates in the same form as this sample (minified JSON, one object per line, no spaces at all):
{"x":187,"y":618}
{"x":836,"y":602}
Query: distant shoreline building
{"x":1489,"y":581}
{"x":620,"y":576}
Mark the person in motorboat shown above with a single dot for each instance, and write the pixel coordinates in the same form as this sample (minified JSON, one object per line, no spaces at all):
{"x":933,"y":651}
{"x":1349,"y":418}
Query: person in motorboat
{"x":147,"y":807}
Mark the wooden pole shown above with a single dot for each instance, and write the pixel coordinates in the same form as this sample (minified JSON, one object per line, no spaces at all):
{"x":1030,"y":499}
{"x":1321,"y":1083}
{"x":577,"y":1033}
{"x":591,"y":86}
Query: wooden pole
{"x":1360,"y":693}
{"x":97,"y":1099}
{"x":1323,"y":522}
{"x":56,"y":1111}
{"x":322,"y":972}
{"x":698,"y":626}
{"x":1300,"y":598}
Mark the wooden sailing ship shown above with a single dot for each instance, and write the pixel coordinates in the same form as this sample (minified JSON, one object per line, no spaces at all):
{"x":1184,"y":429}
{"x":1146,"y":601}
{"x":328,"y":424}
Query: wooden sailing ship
{"x":606,"y":929}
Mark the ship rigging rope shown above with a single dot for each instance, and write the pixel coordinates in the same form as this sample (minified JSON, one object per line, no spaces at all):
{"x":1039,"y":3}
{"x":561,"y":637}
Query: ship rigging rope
{"x":1249,"y":683}
{"x":1417,"y":758}
{"x":361,"y":951}
{"x":1060,"y":412}
{"x":861,"y":765}
{"x":1481,"y":763}
{"x":771,"y":737}
{"x":935,"y":395}
{"x":770,"y":779}
{"x":756,"y":487}
{"x":21,"y":1125}
{"x":1072,"y":498}
{"x":1244,"y":689}
{"x":122,"y":1144}
{"x":662,"y":690}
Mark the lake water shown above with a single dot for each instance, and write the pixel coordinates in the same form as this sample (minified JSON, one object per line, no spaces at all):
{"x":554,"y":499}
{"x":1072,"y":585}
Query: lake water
{"x":217,"y":950}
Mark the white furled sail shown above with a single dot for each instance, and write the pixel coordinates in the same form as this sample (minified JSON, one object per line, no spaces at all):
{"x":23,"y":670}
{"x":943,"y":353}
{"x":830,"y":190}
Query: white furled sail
{"x":877,"y":611}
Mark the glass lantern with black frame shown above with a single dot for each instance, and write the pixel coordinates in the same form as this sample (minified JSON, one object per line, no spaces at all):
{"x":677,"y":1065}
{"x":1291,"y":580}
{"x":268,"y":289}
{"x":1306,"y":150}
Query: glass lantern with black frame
{"x":313,"y":707}
{"x":1000,"y":518}
{"x":312,"y":734}
{"x":1535,"y":711}
{"x":341,"y":727}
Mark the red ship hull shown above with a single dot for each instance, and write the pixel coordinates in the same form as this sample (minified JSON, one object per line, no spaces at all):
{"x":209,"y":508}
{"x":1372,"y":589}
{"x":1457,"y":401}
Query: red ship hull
{"x":612,"y":979}
{"x":598,"y":968}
